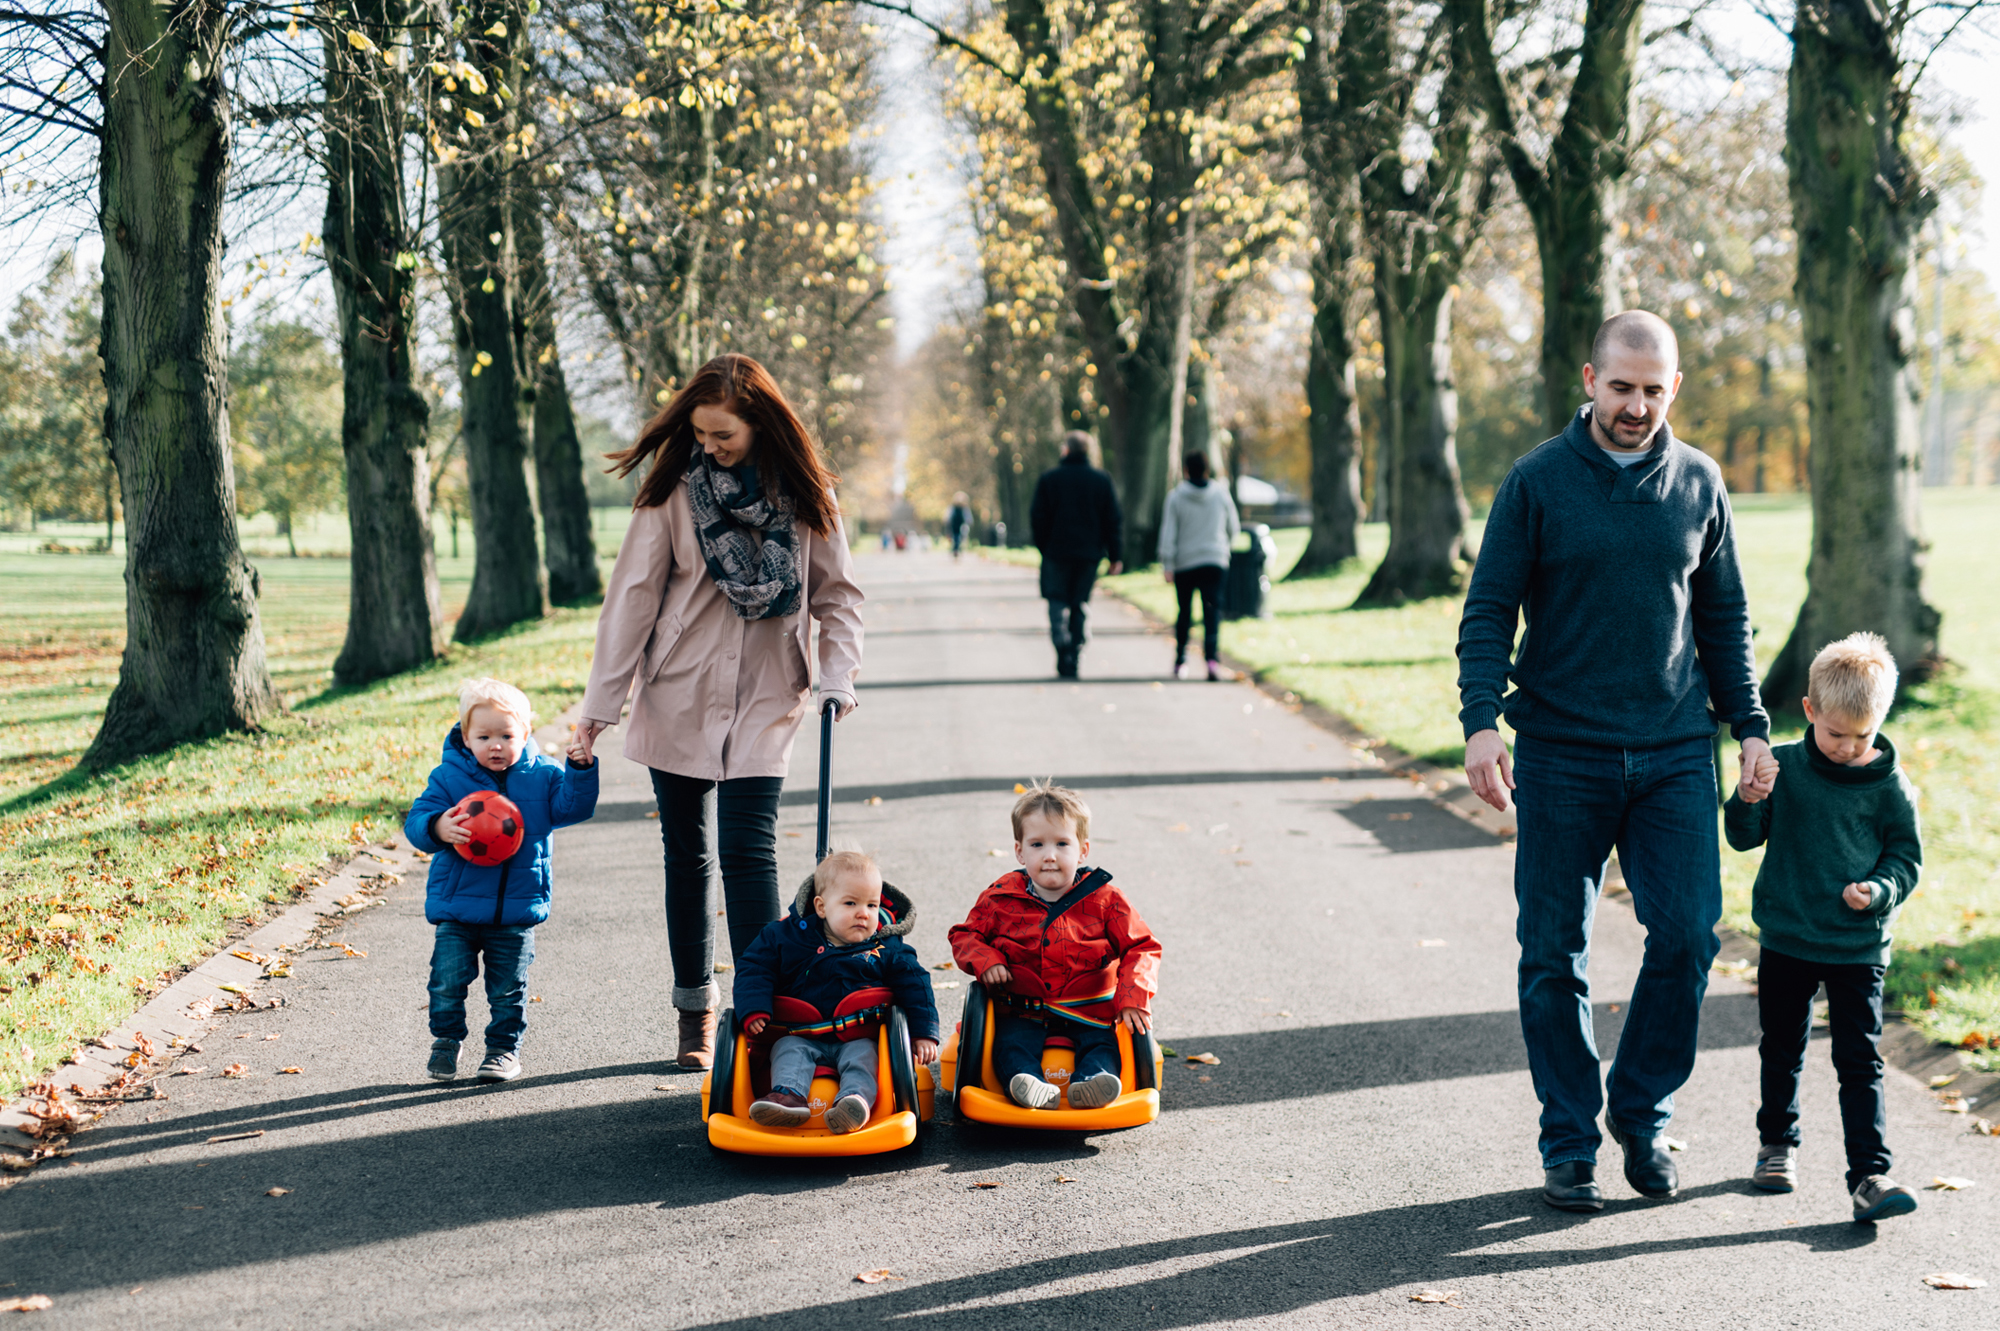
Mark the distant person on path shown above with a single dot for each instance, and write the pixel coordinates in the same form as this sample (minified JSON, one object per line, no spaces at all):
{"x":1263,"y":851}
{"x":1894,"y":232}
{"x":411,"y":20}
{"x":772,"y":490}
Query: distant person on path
{"x":735,"y":546}
{"x":1196,"y":527}
{"x":1614,"y":541}
{"x":1842,"y":855}
{"x":486,"y":913}
{"x":1075,"y":521}
{"x":958,"y":521}
{"x":838,"y":953}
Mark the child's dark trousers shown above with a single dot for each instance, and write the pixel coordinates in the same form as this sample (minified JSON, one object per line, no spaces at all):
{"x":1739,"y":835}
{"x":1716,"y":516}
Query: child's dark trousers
{"x":456,"y":958}
{"x":1785,"y":989}
{"x":1018,"y":1042}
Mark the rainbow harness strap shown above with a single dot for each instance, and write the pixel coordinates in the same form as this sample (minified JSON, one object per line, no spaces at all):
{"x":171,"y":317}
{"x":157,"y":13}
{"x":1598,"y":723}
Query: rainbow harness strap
{"x":1069,"y":1009}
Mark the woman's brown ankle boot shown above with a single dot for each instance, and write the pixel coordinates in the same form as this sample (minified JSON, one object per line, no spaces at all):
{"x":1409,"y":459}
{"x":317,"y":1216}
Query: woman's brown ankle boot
{"x":697,"y":1039}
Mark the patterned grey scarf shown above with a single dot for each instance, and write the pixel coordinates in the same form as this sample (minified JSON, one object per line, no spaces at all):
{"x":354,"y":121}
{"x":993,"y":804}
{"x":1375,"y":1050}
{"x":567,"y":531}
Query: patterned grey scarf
{"x":761,"y":581}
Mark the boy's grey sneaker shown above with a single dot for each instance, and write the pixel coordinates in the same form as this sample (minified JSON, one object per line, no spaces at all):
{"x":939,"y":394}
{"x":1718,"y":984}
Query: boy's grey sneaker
{"x":500,"y":1065}
{"x":444,"y":1060}
{"x":1031,"y":1092}
{"x":1880,"y":1197}
{"x":1095,"y":1092}
{"x":1777,"y":1168}
{"x":846,"y":1114}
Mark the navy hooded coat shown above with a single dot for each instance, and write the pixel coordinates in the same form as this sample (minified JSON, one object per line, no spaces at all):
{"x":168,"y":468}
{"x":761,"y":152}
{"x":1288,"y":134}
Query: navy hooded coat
{"x":515,"y":892}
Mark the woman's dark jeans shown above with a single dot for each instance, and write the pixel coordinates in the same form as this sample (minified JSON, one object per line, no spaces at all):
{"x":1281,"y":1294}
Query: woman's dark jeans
{"x":743,"y":814}
{"x":1208,"y":581}
{"x":1574,"y":804}
{"x":1785,"y":989}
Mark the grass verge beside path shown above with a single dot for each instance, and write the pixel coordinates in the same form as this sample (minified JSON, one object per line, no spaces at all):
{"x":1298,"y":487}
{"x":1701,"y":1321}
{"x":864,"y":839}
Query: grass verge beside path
{"x":1393,"y":673}
{"x":111,"y":884}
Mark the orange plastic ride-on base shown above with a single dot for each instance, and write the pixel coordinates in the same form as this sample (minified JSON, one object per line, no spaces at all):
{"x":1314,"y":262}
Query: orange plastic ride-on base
{"x":981,"y":1098}
{"x":904,"y":1099}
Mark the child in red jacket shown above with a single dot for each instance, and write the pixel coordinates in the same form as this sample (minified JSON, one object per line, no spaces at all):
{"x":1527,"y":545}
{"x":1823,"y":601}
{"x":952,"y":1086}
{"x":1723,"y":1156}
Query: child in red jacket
{"x":1061,"y":951}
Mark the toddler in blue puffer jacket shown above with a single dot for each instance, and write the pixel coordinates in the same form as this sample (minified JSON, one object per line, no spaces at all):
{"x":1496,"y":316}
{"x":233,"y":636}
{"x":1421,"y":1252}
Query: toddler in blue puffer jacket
{"x":488,"y":912}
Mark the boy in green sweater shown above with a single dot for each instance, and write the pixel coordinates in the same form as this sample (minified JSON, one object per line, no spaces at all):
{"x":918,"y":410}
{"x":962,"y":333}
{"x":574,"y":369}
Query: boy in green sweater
{"x":1843,"y":852}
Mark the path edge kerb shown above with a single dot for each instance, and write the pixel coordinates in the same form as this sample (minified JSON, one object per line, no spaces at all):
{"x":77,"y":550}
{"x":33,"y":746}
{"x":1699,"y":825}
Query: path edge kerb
{"x":1902,"y":1044}
{"x":218,"y":980}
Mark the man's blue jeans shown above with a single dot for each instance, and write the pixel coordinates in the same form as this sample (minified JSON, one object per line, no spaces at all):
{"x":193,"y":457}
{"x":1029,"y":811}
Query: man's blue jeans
{"x":455,"y":960}
{"x":1575,"y":803}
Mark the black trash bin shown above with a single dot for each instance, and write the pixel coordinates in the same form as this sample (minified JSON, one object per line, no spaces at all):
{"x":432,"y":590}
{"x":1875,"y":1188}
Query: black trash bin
{"x":1246,"y":589}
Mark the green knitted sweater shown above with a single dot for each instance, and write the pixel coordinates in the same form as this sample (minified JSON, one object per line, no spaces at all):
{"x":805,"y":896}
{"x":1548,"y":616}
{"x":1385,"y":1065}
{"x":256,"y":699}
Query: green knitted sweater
{"x":1825,"y":826}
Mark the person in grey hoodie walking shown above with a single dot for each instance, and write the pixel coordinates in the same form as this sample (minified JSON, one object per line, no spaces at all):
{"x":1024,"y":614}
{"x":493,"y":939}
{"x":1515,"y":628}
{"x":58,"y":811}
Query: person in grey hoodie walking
{"x":1195,"y":531}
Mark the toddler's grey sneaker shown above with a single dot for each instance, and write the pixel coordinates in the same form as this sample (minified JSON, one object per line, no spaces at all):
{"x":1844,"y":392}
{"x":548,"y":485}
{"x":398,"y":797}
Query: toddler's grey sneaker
{"x":500,"y":1065}
{"x":846,"y":1114}
{"x":444,"y":1060}
{"x":1777,"y":1168}
{"x":1095,"y":1092}
{"x":780,"y":1109}
{"x":1031,"y":1092}
{"x":1880,"y":1197}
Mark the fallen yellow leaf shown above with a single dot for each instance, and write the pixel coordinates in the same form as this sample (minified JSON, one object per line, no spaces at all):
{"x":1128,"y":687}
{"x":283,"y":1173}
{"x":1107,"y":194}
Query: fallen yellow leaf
{"x":876,"y":1276}
{"x":1953,"y":1280}
{"x":235,"y":1070}
{"x":1209,"y":1059}
{"x":1938,"y":1083}
{"x":289,"y":1071}
{"x":1435,"y":1296}
{"x":1942,"y":1183}
{"x":33,"y":1303}
{"x":276,"y":1192}
{"x":985,"y":1185}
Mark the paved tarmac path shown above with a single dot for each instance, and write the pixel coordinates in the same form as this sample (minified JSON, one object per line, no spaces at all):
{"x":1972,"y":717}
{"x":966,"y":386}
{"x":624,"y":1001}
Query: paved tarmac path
{"x":1344,"y":947}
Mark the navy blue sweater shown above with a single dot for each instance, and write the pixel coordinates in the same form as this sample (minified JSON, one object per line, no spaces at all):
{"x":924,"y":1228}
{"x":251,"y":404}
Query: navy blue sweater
{"x":1638,"y":631}
{"x":793,"y":958}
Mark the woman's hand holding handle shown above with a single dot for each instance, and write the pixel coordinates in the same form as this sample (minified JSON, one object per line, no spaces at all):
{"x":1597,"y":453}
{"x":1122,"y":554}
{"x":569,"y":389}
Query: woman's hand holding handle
{"x":842,"y":701}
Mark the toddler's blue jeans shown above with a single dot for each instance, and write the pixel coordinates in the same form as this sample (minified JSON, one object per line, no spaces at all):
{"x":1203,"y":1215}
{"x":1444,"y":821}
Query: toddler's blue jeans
{"x":1018,"y":1042}
{"x":794,"y":1058}
{"x":455,"y":960}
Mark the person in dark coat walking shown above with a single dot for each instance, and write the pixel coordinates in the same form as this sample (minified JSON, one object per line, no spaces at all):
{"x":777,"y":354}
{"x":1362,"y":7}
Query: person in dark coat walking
{"x":1076,"y":523}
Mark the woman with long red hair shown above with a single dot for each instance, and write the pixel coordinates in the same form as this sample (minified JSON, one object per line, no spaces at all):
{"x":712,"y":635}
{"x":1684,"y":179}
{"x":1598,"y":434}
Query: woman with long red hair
{"x":735,"y":546}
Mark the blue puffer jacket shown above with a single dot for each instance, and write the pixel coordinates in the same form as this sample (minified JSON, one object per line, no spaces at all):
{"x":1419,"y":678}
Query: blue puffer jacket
{"x":793,"y":960}
{"x":514,"y":892}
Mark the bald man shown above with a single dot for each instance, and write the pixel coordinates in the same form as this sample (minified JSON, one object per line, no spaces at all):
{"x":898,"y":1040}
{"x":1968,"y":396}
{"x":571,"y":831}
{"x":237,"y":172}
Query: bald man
{"x":1613,"y":541}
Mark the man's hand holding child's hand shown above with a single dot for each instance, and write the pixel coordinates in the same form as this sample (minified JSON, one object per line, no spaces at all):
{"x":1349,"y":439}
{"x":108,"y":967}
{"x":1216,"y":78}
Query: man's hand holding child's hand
{"x":451,"y":828}
{"x":995,"y":976}
{"x":1132,"y":1019}
{"x":1858,"y":896}
{"x":1760,"y":772}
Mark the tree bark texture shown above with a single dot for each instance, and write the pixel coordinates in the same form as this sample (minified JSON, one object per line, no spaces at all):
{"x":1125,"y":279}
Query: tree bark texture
{"x":394,"y":622}
{"x":1574,"y":192}
{"x":1418,"y":222}
{"x":194,"y":649}
{"x":1333,"y":426}
{"x":1858,"y":201}
{"x":476,"y":223}
{"x":569,"y":550}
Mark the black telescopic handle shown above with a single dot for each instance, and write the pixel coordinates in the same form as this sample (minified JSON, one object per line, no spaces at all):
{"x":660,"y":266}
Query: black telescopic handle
{"x":826,"y":712}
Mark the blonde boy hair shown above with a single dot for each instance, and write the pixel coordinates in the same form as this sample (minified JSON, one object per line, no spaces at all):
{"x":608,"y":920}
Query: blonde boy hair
{"x":1854,"y":678}
{"x":837,"y":862}
{"x":1053,"y":801}
{"x":500,"y":696}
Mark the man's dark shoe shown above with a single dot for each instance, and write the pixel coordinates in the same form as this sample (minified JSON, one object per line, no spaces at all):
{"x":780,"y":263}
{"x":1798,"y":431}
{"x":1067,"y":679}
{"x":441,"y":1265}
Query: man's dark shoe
{"x":1572,"y":1186}
{"x":1649,"y":1166}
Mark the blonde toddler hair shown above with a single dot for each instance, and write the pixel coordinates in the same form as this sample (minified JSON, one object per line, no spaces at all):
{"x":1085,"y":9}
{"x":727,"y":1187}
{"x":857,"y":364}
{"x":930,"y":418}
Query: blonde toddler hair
{"x":1053,"y":801}
{"x":502,"y":697}
{"x":838,"y":862}
{"x":1854,"y":678}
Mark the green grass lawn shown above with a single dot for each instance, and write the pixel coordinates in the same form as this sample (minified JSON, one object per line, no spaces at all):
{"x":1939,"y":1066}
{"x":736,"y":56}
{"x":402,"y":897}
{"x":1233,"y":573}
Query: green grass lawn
{"x":1394,"y":674}
{"x":111,"y":883}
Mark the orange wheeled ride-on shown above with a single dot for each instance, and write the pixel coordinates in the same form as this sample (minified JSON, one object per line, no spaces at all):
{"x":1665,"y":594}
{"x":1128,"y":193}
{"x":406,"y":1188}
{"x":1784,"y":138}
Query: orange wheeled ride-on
{"x":904,"y":1093}
{"x":967,"y":1064}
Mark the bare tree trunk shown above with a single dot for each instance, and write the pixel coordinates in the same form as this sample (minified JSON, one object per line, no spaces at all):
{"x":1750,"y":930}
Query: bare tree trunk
{"x":1333,"y":427}
{"x":1858,"y":201}
{"x":1573,"y":193}
{"x":475,"y":208}
{"x":394,"y":622}
{"x":194,"y":649}
{"x":568,"y":548}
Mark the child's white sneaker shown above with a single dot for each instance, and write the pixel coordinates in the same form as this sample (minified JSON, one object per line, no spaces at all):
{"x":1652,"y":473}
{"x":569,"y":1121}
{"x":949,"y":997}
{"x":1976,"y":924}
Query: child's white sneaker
{"x":1031,"y":1092}
{"x":846,"y":1114}
{"x":500,"y":1065}
{"x":1095,"y":1092}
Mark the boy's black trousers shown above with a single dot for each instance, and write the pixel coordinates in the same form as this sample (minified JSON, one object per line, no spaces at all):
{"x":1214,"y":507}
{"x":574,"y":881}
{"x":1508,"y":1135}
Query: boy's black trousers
{"x":1786,"y":986}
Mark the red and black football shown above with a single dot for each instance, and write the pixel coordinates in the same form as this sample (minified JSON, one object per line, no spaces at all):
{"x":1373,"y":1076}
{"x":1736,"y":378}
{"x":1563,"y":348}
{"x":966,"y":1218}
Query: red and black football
{"x":494,"y":825}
